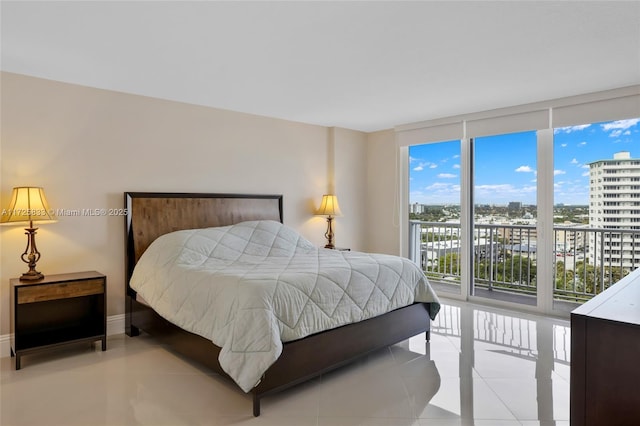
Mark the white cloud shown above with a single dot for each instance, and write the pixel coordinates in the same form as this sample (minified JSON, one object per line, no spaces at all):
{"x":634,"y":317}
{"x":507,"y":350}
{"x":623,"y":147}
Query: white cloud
{"x":563,"y":145}
{"x":620,"y":124}
{"x":559,"y":172}
{"x":420,"y":167}
{"x":502,"y":187}
{"x":502,"y":190}
{"x":503,"y":193}
{"x":433,"y":166}
{"x":570,"y":129}
{"x":615,"y":133}
{"x":524,"y":169}
{"x":437,"y":193}
{"x":442,"y":186}
{"x":583,"y":143}
{"x":456,"y":166}
{"x":585,"y":174}
{"x":585,"y":166}
{"x":447,"y":176}
{"x":574,"y":161}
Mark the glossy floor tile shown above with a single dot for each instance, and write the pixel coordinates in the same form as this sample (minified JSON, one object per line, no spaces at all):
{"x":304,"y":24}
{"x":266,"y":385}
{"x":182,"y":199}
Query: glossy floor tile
{"x":483,"y":366}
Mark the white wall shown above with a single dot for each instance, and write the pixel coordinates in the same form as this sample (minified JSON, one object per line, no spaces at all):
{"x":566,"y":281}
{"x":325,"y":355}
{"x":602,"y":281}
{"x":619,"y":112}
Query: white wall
{"x":350,"y":183}
{"x":87,"y":146}
{"x":383,"y":235}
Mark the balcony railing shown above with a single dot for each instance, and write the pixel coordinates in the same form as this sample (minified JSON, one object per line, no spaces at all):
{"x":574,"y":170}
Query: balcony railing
{"x":586,"y":260}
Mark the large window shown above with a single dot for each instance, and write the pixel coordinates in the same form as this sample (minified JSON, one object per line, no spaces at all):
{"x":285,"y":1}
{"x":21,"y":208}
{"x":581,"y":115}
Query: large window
{"x":527,"y":205}
{"x":596,"y":166}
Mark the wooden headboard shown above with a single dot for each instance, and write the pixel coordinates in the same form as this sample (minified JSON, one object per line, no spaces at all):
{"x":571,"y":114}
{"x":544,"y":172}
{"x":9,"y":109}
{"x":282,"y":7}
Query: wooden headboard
{"x":152,"y":214}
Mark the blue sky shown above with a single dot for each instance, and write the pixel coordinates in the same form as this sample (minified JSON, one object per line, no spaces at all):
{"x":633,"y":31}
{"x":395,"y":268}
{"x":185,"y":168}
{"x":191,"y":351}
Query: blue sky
{"x":506,"y":165}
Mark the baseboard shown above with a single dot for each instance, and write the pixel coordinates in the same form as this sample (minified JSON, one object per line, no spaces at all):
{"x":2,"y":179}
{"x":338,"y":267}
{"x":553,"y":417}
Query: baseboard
{"x":5,"y":345}
{"x":115,"y":325}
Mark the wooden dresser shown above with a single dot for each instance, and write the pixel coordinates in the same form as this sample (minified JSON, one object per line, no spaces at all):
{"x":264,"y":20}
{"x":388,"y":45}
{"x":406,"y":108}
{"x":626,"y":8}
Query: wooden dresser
{"x":605,"y":357}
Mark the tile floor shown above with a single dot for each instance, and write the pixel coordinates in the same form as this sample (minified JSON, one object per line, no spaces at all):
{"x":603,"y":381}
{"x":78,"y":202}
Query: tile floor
{"x":483,"y":366}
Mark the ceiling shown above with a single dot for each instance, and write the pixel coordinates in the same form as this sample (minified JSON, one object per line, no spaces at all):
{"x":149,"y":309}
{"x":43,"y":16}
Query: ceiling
{"x":364,"y":65}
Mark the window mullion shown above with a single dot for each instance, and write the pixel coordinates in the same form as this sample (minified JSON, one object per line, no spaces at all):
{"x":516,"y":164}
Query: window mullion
{"x":466,"y":215}
{"x":546,"y":238}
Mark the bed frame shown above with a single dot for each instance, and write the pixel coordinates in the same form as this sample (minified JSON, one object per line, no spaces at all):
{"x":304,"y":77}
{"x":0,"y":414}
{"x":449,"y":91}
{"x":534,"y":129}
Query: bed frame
{"x":151,"y":214}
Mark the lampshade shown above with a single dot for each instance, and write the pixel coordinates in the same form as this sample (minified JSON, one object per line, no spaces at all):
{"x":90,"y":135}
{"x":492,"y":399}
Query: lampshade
{"x":27,"y":205}
{"x":329,"y":206}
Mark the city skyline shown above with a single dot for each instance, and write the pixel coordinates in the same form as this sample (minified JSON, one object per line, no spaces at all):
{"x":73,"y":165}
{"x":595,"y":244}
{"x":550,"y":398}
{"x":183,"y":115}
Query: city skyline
{"x":506,"y":165}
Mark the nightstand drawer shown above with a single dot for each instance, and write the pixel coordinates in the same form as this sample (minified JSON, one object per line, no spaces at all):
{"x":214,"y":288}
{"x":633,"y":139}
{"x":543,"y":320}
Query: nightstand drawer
{"x":63,"y":290}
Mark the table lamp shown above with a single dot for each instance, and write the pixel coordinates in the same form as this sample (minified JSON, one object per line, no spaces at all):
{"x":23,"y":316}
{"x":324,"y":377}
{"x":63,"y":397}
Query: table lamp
{"x":329,"y":207}
{"x":28,"y":205}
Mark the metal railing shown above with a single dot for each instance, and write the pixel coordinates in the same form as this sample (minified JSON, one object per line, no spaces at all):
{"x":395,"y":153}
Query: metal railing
{"x":586,"y":260}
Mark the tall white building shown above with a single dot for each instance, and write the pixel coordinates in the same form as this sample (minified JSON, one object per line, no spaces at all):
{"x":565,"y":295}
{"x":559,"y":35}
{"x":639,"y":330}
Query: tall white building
{"x":416,"y":208}
{"x":614,"y":203}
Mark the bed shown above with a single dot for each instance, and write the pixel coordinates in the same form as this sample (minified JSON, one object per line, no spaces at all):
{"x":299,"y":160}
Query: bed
{"x":151,"y":216}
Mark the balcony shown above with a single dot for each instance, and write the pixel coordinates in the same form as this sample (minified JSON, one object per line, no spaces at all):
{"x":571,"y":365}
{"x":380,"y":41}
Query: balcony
{"x":586,"y":260}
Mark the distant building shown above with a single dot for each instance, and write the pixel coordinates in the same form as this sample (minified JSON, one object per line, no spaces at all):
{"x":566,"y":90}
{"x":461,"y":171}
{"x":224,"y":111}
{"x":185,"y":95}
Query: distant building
{"x":417,"y":208}
{"x":514,"y":206}
{"x":614,"y":203}
{"x":518,"y":235}
{"x":569,"y":240}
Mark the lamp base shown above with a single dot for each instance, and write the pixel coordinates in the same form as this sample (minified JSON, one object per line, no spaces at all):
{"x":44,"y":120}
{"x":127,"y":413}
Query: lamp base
{"x":329,"y":234}
{"x":31,"y":276}
{"x":31,"y":255}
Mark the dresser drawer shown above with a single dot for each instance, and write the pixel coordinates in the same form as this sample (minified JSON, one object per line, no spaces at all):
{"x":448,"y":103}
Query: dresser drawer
{"x":41,"y":293}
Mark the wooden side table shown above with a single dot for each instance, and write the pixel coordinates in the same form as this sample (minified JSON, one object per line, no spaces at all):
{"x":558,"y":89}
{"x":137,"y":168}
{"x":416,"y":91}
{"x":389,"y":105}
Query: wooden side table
{"x":57,"y":310}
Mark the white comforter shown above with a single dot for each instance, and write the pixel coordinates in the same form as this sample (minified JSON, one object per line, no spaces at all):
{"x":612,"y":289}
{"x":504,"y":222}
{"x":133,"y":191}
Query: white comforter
{"x":251,"y":286}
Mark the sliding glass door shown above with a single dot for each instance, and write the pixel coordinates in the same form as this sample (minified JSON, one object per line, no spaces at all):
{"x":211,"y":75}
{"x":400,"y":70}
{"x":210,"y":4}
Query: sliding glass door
{"x":490,"y":252}
{"x":434,"y":212}
{"x":504,"y":218}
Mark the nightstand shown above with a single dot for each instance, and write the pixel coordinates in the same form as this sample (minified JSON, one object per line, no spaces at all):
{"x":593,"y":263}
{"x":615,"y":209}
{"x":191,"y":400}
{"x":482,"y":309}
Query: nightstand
{"x":57,"y":310}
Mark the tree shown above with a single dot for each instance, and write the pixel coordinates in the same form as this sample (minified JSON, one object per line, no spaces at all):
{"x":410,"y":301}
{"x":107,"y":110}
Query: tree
{"x":512,"y":272}
{"x":516,"y":269}
{"x":564,"y":276}
{"x":447,"y":265}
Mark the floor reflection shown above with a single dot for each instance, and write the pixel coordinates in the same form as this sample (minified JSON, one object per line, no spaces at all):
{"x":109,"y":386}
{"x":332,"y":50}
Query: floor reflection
{"x":511,"y":366}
